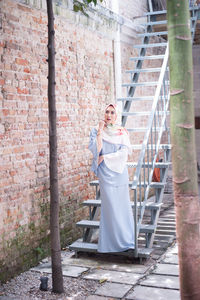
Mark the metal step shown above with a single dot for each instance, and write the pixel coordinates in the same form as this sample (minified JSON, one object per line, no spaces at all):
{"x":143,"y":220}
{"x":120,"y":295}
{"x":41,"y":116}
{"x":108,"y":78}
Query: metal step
{"x":141,"y":129}
{"x":152,"y":33}
{"x":163,"y":12}
{"x":156,"y":185}
{"x":158,"y":12}
{"x":143,"y":113}
{"x":161,"y":146}
{"x":97,"y":203}
{"x":163,"y":22}
{"x":88,"y":224}
{"x":159,"y":33}
{"x":144,"y":228}
{"x":150,"y":83}
{"x":144,"y":98}
{"x":150,"y":45}
{"x":79,"y":246}
{"x":161,"y":165}
{"x":148,"y":57}
{"x":149,"y":70}
{"x":147,"y":228}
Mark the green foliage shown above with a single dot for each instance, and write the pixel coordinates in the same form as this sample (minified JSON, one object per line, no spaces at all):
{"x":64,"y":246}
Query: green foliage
{"x":39,"y":251}
{"x":83,"y":5}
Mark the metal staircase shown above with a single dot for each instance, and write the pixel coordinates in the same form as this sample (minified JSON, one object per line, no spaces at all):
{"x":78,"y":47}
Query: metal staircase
{"x":156,"y":140}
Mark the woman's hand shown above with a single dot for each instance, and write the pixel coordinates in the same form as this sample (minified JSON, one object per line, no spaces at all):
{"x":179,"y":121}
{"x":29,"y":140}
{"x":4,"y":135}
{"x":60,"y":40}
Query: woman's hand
{"x":101,"y":158}
{"x":101,"y":125}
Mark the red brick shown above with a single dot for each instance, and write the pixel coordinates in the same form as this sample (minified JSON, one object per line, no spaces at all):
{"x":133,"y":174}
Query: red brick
{"x":39,"y":20}
{"x":22,"y":91}
{"x":21,"y":61}
{"x":27,"y":70}
{"x":63,"y":119}
{"x":18,"y":149}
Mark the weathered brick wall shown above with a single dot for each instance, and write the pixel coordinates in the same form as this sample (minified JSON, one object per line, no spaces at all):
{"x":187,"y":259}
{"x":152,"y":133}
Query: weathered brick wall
{"x":84,"y":83}
{"x":131,"y":9}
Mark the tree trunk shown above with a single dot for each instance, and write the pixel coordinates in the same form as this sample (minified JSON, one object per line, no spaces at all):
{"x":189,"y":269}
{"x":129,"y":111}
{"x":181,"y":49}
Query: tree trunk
{"x":183,"y":148}
{"x":57,"y":278}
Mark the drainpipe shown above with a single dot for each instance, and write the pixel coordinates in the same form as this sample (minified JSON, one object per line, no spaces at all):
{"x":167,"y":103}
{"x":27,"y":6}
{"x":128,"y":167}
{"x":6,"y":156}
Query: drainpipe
{"x":117,"y":53}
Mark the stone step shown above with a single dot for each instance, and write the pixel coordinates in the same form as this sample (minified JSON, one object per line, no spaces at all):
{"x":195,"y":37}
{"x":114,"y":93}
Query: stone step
{"x":162,"y":237}
{"x":166,"y":231}
{"x":166,"y":227}
{"x":165,"y":223}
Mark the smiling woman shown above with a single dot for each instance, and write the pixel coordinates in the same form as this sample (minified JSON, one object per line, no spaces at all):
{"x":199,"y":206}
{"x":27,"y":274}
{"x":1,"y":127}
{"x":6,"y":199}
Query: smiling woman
{"x":110,"y":146}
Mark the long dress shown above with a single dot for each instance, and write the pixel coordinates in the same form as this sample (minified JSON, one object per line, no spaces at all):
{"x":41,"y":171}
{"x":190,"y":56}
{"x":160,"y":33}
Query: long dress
{"x":116,"y":232}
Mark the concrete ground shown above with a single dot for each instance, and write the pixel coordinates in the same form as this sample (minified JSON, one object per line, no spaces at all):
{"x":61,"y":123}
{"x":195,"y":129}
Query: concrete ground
{"x":122,"y":278}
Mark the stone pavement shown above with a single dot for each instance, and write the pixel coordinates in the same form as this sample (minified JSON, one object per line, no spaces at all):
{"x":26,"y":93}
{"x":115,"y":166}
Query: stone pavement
{"x":123,"y":279}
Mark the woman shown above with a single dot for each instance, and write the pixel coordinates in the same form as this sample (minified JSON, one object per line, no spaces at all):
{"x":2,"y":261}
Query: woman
{"x":110,"y":146}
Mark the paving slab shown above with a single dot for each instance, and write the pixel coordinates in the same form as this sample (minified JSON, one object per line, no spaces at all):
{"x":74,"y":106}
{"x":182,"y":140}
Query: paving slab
{"x":166,"y":269}
{"x":113,"y":276}
{"x":95,"y":297}
{"x":170,"y":259}
{"x":110,"y":289}
{"x":161,"y":281}
{"x":150,"y":293}
{"x":71,"y":271}
{"x":107,"y":265}
{"x":9,"y":298}
{"x":173,"y":250}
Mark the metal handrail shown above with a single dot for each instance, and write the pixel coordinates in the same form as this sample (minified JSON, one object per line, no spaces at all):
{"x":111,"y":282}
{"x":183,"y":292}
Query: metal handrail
{"x":148,"y":151}
{"x":147,"y":146}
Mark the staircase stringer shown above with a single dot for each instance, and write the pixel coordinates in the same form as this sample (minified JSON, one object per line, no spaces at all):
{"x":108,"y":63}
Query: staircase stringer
{"x":136,"y":75}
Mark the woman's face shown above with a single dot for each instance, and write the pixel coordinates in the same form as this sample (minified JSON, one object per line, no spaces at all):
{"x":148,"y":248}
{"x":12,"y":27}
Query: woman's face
{"x":110,"y":115}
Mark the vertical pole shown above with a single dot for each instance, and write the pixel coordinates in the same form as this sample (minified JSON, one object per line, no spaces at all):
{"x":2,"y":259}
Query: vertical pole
{"x":150,"y":5}
{"x":117,"y":53}
{"x":57,"y":278}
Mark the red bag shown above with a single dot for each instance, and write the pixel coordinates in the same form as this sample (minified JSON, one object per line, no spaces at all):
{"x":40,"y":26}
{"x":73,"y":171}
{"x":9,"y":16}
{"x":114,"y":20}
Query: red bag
{"x":156,"y":172}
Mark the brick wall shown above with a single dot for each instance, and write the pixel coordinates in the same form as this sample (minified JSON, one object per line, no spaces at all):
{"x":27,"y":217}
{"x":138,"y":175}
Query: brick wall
{"x":84,"y":83}
{"x":84,"y":60}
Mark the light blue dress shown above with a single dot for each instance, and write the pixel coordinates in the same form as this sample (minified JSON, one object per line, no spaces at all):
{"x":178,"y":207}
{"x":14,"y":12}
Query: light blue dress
{"x":116,"y":232}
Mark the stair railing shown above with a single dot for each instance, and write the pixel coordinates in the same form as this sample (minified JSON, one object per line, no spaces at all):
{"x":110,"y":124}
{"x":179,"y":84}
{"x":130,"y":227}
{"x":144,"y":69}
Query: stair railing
{"x":150,"y":147}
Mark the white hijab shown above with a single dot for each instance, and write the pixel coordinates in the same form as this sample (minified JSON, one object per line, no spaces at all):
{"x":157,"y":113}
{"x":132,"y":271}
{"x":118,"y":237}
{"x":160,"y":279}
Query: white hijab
{"x":114,"y":133}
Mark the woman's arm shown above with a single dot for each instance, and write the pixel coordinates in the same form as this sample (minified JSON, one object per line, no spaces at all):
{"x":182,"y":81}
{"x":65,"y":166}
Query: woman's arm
{"x":93,"y":148}
{"x":116,"y":161}
{"x":99,"y":136}
{"x":99,"y":140}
